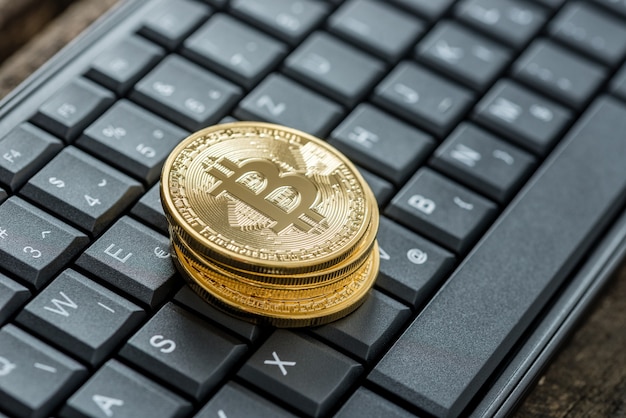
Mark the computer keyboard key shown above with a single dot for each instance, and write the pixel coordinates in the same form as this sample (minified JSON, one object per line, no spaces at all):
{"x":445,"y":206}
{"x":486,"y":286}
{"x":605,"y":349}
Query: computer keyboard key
{"x":333,"y":67}
{"x":72,"y":108}
{"x":382,"y":189}
{"x":132,"y":139}
{"x":364,"y":403}
{"x":381,"y":143}
{"x":491,"y":299}
{"x":234,"y":400}
{"x":80,"y":316}
{"x":244,"y":329}
{"x":185,"y":93}
{"x":134,"y":259}
{"x":411,"y":267}
{"x":429,"y":9}
{"x":462,"y":54}
{"x":23,"y":151}
{"x":122,"y":65}
{"x":559,"y":73}
{"x":442,"y":210}
{"x":285,"y":366}
{"x":34,"y":245}
{"x":423,"y":98}
{"x":368,"y":331}
{"x":591,"y":31}
{"x":290,"y":21}
{"x":35,"y":378}
{"x":513,"y":22}
{"x":12,"y":296}
{"x":234,"y":50}
{"x":480,"y":160}
{"x":525,"y":118}
{"x":82,"y":190}
{"x":183,"y":350}
{"x":150,"y":210}
{"x":172,"y":20}
{"x":376,"y":27}
{"x":279,"y":100}
{"x":118,"y":391}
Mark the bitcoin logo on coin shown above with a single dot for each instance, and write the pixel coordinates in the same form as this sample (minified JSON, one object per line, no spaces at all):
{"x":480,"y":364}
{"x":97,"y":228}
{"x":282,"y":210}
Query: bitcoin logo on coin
{"x":270,"y":223}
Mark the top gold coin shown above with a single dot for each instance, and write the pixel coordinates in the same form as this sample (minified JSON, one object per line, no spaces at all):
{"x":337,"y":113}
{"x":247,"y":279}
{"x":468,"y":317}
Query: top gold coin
{"x":266,"y":198}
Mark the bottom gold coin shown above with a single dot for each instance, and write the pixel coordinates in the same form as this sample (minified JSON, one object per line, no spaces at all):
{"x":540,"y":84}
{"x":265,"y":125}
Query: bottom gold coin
{"x":303,"y":308}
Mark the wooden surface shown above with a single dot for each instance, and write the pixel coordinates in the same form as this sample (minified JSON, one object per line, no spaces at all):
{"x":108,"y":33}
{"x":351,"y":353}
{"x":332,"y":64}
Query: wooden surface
{"x":588,"y":376}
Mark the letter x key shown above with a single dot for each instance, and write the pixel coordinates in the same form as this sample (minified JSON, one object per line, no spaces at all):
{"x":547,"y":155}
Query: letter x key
{"x":278,"y":362}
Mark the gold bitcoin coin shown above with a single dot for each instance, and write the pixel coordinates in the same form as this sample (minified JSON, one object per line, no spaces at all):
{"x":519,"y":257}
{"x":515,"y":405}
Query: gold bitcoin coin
{"x":267,"y":199}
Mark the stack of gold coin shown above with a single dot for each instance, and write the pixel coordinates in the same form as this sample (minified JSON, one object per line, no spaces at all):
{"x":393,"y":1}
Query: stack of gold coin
{"x":270,"y":224}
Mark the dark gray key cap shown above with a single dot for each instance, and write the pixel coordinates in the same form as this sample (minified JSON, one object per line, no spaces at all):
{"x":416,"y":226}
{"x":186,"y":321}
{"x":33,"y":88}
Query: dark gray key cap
{"x":430,"y":9}
{"x":559,"y":73}
{"x":442,"y":210}
{"x":384,"y":145}
{"x":35,"y":377}
{"x":364,"y":403}
{"x":33,"y":244}
{"x":411,"y":267}
{"x":618,"y":6}
{"x":235,"y":401}
{"x":244,"y":329}
{"x":118,"y":391}
{"x":169,"y":22}
{"x":186,"y":93}
{"x":234,"y":50}
{"x":134,"y":259}
{"x":82,"y":189}
{"x":284,"y":366}
{"x":382,"y":189}
{"x":122,"y":65}
{"x":333,"y":67}
{"x":132,"y":139}
{"x":423,"y":97}
{"x":483,"y":162}
{"x":591,"y":31}
{"x":150,"y":210}
{"x":463,"y":54}
{"x":279,"y":100}
{"x":379,"y":29}
{"x":81,"y":316}
{"x":12,"y":296}
{"x":289,"y":21}
{"x":72,"y":108}
{"x":488,"y":303}
{"x":526,"y":118}
{"x":23,"y":151}
{"x":513,"y":22}
{"x":368,"y":331}
{"x":180,"y":348}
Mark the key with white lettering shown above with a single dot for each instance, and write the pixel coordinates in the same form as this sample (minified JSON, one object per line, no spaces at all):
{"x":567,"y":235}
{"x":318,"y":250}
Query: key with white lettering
{"x":132,"y":139}
{"x":81,"y":316}
{"x":174,"y":342}
{"x":72,"y":108}
{"x":480,"y":160}
{"x":170,"y":22}
{"x":150,"y":210}
{"x":82,"y":189}
{"x":411,"y":267}
{"x":186,"y":93}
{"x":442,"y":210}
{"x":34,"y":377}
{"x":23,"y":151}
{"x":118,"y":391}
{"x":522,"y":116}
{"x":34,"y":245}
{"x":305,"y":373}
{"x":12,"y":296}
{"x":133,"y":258}
{"x":233,"y":400}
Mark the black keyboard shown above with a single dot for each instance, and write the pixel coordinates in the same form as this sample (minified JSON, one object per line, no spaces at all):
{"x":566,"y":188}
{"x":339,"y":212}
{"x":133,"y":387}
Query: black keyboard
{"x":491,"y":132}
